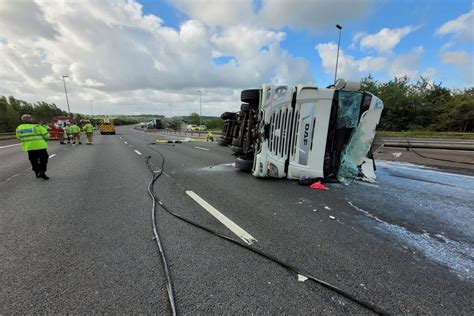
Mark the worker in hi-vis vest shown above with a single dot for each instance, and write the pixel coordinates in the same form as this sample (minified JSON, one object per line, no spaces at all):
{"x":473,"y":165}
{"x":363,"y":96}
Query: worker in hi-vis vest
{"x":210,"y":137}
{"x":89,"y":130}
{"x":76,"y":133}
{"x":34,"y":140}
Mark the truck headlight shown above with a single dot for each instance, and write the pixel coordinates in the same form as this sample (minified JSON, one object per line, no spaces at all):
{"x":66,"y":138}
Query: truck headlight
{"x":272,"y":170}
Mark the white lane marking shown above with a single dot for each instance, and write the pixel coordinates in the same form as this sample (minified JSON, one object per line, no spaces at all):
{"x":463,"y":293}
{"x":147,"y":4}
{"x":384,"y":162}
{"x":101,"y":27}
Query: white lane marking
{"x":201,"y":148}
{"x":52,"y":155}
{"x":125,"y":143}
{"x":236,"y":229}
{"x":13,"y":176}
{"x":6,"y":146}
{"x":138,"y":153}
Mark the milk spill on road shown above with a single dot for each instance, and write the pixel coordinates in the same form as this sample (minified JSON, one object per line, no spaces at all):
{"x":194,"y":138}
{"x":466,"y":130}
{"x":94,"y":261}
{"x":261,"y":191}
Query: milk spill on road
{"x":427,"y":209}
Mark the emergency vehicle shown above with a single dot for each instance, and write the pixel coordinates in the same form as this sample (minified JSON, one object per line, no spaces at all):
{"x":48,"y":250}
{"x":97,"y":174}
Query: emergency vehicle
{"x":306,"y":132}
{"x":56,"y":127}
{"x":106,"y":126}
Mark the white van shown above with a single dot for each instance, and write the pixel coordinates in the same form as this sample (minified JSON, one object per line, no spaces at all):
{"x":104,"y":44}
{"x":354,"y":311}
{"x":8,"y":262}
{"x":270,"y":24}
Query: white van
{"x":306,"y":132}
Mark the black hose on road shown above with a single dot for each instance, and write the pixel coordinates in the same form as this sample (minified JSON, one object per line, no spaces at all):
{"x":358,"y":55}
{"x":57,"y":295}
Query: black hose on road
{"x":156,"y":200}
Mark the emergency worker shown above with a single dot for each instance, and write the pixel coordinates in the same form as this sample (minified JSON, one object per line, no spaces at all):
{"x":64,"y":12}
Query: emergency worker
{"x":34,"y":141}
{"x":89,"y":130}
{"x":210,"y":137}
{"x":67,"y":130}
{"x":76,"y":133}
{"x":61,"y":134}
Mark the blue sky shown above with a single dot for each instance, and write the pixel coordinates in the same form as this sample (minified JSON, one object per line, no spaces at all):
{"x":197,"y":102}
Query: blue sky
{"x":427,"y":15}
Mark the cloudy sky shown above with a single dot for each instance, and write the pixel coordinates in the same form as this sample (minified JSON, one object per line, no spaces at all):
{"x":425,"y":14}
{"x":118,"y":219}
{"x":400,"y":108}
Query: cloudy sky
{"x":147,"y":56}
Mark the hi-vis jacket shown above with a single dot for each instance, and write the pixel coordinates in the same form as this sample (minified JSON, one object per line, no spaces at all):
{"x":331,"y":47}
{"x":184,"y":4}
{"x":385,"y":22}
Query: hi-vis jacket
{"x":32,"y":136}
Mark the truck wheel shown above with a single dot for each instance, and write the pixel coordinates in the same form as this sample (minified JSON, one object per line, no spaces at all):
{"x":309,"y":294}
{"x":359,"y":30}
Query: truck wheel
{"x":236,"y":150}
{"x":244,"y":165}
{"x":229,"y":116}
{"x":250,"y":96}
{"x":236,"y":142}
{"x":245,"y":107}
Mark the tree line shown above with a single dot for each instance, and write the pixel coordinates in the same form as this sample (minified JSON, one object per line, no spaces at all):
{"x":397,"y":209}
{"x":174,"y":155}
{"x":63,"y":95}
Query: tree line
{"x":422,"y":105}
{"x":408,"y":106}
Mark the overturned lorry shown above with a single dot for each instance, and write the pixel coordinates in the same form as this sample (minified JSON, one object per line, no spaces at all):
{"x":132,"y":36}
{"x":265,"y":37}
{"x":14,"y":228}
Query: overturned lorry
{"x":305,"y":132}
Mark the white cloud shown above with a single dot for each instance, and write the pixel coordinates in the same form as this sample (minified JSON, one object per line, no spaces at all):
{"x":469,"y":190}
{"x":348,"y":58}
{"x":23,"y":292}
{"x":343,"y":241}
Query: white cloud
{"x":462,"y":61}
{"x":462,"y":27}
{"x":407,"y":64}
{"x":315,"y":16}
{"x":119,"y":57}
{"x":218,"y":12}
{"x":386,"y":39}
{"x":349,"y":68}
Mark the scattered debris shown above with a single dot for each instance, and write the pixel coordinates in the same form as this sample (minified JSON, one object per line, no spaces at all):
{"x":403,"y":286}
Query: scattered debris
{"x":315,"y":210}
{"x":302,"y":278}
{"x":319,"y":186}
{"x":397,"y":155}
{"x":328,"y":208}
{"x":332,"y":217}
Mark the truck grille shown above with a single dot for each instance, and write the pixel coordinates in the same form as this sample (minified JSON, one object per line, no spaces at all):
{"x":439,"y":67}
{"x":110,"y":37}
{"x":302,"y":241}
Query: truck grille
{"x":281,"y":137}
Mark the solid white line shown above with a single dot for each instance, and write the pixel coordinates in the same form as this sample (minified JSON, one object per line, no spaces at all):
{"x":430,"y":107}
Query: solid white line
{"x":236,"y":229}
{"x":52,"y":155}
{"x":6,"y":146}
{"x":201,"y":148}
{"x":138,"y":153}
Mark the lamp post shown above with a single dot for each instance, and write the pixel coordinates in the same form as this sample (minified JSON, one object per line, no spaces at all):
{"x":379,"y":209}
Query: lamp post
{"x":65,"y":91}
{"x":200,"y":108}
{"x":337,"y":57}
{"x":92,"y":114}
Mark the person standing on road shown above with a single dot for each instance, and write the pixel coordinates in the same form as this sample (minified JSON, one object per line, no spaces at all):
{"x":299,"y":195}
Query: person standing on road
{"x":210,"y":137}
{"x":67,"y":130}
{"x":89,"y":130}
{"x":34,"y":140}
{"x":76,"y":133}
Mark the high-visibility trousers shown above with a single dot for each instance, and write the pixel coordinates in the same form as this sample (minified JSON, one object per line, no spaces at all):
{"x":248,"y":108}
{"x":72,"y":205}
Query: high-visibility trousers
{"x":89,"y":137}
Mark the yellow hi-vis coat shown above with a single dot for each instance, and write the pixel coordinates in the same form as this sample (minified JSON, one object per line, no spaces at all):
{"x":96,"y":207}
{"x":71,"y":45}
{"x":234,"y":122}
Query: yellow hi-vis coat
{"x":88,"y":128}
{"x":74,"y":129}
{"x":32,"y":136}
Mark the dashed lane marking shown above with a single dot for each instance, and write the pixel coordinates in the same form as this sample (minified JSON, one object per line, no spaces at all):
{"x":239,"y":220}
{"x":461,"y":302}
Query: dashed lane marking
{"x":6,"y":146}
{"x":236,"y":229}
{"x":207,"y":149}
{"x":138,"y":153}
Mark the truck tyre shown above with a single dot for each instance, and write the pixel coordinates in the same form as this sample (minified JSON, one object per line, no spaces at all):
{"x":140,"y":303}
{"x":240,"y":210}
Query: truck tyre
{"x":236,"y":150}
{"x":245,"y":107}
{"x":229,"y":116}
{"x":244,"y":165}
{"x":250,"y":96}
{"x":236,"y":142}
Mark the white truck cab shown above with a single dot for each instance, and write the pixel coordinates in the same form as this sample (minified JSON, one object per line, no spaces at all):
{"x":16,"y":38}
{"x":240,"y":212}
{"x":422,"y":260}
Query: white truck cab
{"x":306,"y":132}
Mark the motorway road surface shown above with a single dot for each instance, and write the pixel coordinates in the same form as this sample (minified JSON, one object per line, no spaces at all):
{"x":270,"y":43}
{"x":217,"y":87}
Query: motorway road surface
{"x":82,"y":242}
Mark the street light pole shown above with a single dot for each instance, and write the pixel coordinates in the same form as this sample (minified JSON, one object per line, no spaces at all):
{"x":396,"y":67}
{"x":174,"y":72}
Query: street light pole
{"x":65,"y":91}
{"x":337,"y":57}
{"x":200,"y":108}
{"x":92,"y":114}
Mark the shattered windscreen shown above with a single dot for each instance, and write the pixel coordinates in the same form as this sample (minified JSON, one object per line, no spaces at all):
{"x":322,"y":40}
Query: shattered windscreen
{"x":348,"y":109}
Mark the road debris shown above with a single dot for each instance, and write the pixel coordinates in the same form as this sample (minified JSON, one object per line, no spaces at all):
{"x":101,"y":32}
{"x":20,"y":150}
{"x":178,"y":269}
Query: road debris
{"x":332,"y":217}
{"x":302,"y":278}
{"x":319,"y":186}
